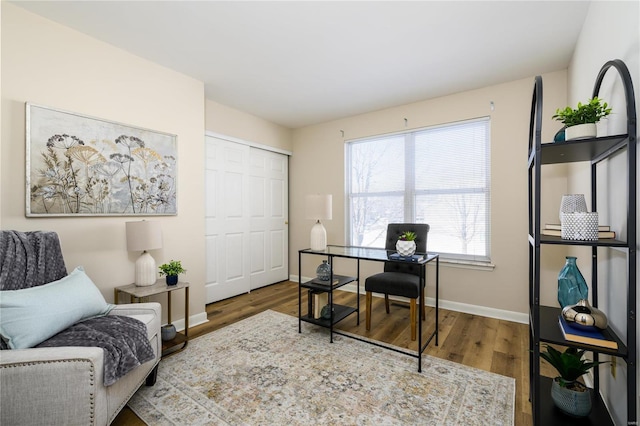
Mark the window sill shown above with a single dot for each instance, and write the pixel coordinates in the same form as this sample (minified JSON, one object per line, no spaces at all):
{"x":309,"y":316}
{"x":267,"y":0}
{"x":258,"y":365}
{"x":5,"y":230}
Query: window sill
{"x":468,"y":264}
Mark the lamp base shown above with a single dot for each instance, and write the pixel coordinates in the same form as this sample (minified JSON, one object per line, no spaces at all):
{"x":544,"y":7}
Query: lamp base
{"x":145,"y":270}
{"x":318,"y":237}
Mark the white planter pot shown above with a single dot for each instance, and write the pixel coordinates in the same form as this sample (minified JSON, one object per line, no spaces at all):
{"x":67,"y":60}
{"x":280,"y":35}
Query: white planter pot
{"x":406,"y":248}
{"x":580,"y":131}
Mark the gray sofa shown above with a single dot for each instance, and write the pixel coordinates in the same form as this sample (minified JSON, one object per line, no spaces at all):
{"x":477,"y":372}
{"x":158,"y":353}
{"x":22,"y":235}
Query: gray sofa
{"x":64,"y":385}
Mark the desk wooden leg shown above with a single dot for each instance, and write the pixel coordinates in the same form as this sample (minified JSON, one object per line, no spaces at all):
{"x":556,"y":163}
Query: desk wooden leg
{"x":413,"y":318}
{"x":368,"y":316}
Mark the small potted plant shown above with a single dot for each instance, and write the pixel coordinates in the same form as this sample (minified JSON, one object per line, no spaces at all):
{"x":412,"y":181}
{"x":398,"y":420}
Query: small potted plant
{"x":172,"y":270}
{"x":581,"y":122}
{"x":406,"y":245}
{"x":568,"y":394}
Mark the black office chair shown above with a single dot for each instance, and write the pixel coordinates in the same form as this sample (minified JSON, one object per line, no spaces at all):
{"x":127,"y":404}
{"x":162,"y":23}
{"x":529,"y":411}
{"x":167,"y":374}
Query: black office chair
{"x":399,"y":278}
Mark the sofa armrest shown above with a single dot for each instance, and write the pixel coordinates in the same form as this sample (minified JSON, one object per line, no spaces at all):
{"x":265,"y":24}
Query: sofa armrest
{"x":151,"y":314}
{"x":64,"y":385}
{"x":152,"y":308}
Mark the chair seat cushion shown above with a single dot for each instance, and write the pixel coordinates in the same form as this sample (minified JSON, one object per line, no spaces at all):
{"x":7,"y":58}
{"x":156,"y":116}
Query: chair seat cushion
{"x":394,"y":283}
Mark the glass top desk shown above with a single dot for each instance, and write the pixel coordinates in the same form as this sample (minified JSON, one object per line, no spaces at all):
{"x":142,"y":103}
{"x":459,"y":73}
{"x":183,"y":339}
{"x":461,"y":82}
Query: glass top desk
{"x":338,"y":312}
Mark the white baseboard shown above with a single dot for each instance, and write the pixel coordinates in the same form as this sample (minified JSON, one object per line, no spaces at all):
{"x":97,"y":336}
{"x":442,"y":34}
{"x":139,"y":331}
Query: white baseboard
{"x":194,"y":320}
{"x":484,"y":311}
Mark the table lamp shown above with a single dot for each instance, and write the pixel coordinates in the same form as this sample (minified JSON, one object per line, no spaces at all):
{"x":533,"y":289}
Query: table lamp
{"x":142,"y":236}
{"x":318,"y":207}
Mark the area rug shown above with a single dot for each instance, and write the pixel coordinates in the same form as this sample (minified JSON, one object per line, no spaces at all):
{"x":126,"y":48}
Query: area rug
{"x":261,"y":371}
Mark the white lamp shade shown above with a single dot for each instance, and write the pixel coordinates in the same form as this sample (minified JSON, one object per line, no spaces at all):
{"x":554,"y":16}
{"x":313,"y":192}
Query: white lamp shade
{"x":319,"y":206}
{"x":143,"y":235}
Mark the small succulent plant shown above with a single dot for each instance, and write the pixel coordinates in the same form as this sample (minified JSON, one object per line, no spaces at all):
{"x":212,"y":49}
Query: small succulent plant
{"x":407,"y":236}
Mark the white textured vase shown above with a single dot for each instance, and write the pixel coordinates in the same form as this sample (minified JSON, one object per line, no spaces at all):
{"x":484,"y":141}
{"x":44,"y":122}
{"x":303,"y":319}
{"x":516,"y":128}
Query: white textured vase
{"x":572,"y":203}
{"x":580,"y":226}
{"x":406,"y":248}
{"x":580,"y":131}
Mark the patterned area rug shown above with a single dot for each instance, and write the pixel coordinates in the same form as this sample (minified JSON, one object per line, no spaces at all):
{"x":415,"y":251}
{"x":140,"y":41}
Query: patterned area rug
{"x":261,"y":371}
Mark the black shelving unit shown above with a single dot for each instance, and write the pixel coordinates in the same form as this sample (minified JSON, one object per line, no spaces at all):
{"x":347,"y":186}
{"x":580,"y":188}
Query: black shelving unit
{"x":339,"y":312}
{"x":544,"y":319}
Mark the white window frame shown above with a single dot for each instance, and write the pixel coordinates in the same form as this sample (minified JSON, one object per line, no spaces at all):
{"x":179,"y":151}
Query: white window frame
{"x":410,"y":192}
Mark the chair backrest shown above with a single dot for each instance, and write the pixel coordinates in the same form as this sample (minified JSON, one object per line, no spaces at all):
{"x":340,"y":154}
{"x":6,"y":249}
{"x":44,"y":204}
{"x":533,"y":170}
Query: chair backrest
{"x":30,"y":259}
{"x":394,"y":230}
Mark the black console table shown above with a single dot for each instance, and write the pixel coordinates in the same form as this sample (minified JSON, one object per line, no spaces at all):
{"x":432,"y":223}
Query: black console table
{"x":339,"y":312}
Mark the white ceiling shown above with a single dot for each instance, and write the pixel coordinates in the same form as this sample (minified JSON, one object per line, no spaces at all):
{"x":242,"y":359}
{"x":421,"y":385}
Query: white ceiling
{"x":301,"y":63}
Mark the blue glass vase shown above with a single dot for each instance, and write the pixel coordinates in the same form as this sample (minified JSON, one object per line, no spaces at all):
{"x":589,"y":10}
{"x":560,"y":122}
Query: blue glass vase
{"x":571,"y":284}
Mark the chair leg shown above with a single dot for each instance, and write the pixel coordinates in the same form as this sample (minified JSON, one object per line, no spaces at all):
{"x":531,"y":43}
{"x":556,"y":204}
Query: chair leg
{"x":413,"y":317}
{"x":151,"y":378}
{"x":368,"y":316}
{"x":386,"y":302}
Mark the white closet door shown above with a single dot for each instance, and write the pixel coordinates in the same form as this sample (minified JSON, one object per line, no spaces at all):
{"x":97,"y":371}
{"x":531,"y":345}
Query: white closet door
{"x":246,"y":218}
{"x":227,"y":219}
{"x":269,"y":218}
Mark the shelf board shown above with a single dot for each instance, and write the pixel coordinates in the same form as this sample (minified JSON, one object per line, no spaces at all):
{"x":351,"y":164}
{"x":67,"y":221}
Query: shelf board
{"x":342,"y":280}
{"x":340,"y":312}
{"x":550,"y":415}
{"x":603,"y":242}
{"x":581,"y":150}
{"x":175,"y":345}
{"x":550,"y":333}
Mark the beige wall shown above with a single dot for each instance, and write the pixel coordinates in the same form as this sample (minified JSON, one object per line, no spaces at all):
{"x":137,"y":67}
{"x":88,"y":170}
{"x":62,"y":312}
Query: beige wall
{"x":317,"y":166}
{"x":51,"y":65}
{"x":610,"y":32}
{"x":227,"y":121}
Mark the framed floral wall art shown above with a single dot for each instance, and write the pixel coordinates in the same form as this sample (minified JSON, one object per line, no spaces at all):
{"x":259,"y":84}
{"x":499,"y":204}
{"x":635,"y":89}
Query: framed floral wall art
{"x":85,"y":166}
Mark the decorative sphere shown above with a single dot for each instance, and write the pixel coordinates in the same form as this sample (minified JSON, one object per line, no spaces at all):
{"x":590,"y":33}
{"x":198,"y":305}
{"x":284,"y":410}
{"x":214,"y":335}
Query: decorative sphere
{"x":585,"y":315}
{"x":324,"y":271}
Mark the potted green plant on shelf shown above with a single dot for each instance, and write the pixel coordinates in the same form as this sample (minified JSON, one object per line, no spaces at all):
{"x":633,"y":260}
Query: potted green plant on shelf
{"x":568,"y":394}
{"x":581,"y":122}
{"x":172,"y":270}
{"x":406,"y":245}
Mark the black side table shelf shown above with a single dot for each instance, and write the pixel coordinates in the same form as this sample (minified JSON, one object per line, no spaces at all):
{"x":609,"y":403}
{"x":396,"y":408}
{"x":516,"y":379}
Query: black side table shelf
{"x":139,"y":294}
{"x":338,"y":312}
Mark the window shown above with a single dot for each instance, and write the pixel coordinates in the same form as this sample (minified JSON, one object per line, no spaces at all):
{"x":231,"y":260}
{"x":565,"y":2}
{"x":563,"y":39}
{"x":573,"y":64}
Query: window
{"x":438,"y":175}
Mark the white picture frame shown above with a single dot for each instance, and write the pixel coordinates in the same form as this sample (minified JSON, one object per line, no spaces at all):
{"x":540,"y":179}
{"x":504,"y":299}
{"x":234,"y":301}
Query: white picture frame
{"x":78,"y":165}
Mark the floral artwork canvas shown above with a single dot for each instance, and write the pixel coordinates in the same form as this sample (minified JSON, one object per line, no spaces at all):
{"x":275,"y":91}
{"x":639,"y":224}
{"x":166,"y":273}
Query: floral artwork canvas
{"x":84,"y":166}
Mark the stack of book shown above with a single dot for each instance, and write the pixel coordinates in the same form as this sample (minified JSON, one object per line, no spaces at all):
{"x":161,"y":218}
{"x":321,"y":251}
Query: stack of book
{"x":413,"y":258}
{"x":587,"y":335}
{"x":555,"y":230}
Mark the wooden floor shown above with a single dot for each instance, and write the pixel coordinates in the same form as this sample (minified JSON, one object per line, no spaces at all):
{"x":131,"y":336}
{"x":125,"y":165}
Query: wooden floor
{"x":485,"y":343}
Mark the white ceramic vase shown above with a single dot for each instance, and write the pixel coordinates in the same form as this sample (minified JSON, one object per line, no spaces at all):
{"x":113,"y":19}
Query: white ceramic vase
{"x":572,"y":203}
{"x":406,"y":248}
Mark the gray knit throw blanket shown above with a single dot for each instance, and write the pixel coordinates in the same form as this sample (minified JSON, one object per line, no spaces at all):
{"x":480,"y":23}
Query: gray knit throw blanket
{"x":29,"y":259}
